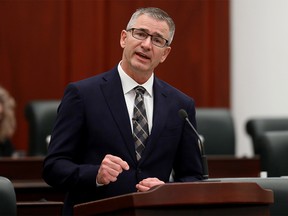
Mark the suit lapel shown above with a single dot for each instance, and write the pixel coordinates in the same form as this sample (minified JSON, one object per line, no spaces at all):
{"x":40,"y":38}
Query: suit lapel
{"x":113,"y":93}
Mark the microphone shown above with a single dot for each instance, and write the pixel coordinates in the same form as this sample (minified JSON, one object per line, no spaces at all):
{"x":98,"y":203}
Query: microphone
{"x":183,"y":114}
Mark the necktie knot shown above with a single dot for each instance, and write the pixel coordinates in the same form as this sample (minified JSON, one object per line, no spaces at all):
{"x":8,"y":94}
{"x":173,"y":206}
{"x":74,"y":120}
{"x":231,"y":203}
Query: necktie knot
{"x":140,"y":90}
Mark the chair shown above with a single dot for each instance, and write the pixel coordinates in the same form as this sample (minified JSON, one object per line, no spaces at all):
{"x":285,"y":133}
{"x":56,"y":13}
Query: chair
{"x":40,"y":115}
{"x":217,"y":128}
{"x":257,"y":126}
{"x":274,"y":153}
{"x":279,"y":186}
{"x":7,"y":197}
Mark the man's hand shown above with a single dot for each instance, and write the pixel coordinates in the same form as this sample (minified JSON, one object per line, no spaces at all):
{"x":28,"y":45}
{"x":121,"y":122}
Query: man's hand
{"x":148,"y":183}
{"x":110,"y":168}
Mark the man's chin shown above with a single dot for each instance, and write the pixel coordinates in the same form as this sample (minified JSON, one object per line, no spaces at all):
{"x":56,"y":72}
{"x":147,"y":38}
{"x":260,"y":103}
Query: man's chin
{"x":141,"y":66}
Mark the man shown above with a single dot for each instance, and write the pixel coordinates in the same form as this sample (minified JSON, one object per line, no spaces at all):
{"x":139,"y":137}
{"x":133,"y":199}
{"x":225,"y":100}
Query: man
{"x":92,"y":154}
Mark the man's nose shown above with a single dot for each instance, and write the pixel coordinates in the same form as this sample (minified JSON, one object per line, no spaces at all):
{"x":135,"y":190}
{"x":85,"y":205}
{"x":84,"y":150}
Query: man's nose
{"x":147,"y":42}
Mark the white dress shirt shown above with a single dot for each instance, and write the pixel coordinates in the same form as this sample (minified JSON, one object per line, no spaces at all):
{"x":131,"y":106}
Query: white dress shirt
{"x":128,"y":85}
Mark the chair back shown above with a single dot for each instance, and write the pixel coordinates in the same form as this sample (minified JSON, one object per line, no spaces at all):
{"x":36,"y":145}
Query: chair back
{"x":41,"y":115}
{"x":217,"y":128}
{"x":255,"y":127}
{"x":274,"y":153}
{"x":7,"y":197}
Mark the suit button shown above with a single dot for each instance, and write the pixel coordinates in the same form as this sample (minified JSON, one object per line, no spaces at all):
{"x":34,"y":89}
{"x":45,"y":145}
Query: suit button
{"x":139,"y":171}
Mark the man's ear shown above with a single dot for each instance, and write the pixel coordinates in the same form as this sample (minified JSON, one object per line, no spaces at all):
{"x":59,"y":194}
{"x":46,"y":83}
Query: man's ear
{"x":123,"y":38}
{"x":166,"y":52}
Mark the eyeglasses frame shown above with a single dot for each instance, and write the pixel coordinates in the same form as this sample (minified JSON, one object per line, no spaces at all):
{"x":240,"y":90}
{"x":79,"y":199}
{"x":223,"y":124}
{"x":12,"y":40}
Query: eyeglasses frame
{"x":132,"y":30}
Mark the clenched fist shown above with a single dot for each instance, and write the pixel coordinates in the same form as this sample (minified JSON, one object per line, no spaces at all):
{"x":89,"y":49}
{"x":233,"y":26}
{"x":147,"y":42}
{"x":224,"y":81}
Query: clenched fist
{"x":110,"y":168}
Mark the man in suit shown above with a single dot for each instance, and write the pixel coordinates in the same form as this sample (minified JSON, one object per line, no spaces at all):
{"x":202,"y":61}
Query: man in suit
{"x":92,"y":153}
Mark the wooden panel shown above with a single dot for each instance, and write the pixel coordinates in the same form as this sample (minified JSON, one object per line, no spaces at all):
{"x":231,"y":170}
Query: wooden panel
{"x":32,"y":54}
{"x":46,"y":44}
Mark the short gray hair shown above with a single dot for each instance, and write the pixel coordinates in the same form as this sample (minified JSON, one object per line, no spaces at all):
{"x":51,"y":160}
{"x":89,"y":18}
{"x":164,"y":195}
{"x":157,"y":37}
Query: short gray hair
{"x":157,"y":14}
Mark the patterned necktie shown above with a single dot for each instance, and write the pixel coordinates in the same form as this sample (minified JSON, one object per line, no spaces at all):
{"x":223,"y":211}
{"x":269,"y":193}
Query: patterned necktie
{"x":140,"y":124}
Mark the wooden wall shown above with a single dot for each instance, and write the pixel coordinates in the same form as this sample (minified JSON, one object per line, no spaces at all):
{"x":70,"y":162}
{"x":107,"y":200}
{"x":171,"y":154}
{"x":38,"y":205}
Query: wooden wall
{"x":45,"y":44}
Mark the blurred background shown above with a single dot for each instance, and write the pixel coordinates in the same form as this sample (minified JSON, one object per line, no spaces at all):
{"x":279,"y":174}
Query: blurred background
{"x":225,"y":53}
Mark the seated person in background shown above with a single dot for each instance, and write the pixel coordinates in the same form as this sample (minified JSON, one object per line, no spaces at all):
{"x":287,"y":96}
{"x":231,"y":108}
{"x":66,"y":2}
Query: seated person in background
{"x":7,"y":123}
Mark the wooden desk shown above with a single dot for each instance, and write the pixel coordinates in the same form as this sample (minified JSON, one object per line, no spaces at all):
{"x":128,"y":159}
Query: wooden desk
{"x":232,"y":167}
{"x":35,"y":197}
{"x":36,"y":190}
{"x":197,"y":198}
{"x":25,"y":174}
{"x":30,"y":168}
{"x":23,"y":168}
{"x":43,"y":208}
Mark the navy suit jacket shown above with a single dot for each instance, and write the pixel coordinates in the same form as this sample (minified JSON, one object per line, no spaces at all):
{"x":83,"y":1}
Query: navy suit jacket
{"x":93,"y":121}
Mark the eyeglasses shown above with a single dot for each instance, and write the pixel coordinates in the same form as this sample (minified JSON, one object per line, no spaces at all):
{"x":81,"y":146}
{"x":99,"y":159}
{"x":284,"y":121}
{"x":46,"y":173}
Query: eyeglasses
{"x":142,"y":35}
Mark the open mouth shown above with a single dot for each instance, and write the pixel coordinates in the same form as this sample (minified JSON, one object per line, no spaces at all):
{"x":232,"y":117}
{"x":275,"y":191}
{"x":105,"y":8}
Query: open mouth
{"x":142,"y":55}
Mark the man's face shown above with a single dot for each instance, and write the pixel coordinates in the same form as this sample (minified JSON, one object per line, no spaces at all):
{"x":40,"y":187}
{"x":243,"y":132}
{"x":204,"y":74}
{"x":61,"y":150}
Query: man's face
{"x":141,"y":56}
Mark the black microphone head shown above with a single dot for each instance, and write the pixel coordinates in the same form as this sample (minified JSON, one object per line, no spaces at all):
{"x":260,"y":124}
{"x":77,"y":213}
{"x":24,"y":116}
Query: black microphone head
{"x":183,"y":114}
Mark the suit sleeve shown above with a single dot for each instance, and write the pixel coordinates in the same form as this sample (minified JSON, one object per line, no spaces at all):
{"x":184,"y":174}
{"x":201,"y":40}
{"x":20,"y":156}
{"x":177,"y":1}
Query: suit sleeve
{"x":62,"y":167}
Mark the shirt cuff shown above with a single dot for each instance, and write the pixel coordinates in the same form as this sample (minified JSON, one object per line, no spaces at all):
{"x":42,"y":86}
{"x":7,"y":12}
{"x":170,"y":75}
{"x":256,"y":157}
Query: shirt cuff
{"x":97,"y":184}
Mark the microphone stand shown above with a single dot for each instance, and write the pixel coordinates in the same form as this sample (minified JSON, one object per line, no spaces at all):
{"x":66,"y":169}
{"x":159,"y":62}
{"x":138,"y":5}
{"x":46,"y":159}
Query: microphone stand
{"x":184,"y":115}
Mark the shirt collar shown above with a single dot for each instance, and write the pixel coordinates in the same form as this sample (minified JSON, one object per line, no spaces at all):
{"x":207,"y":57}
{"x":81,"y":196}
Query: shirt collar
{"x":129,"y":84}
